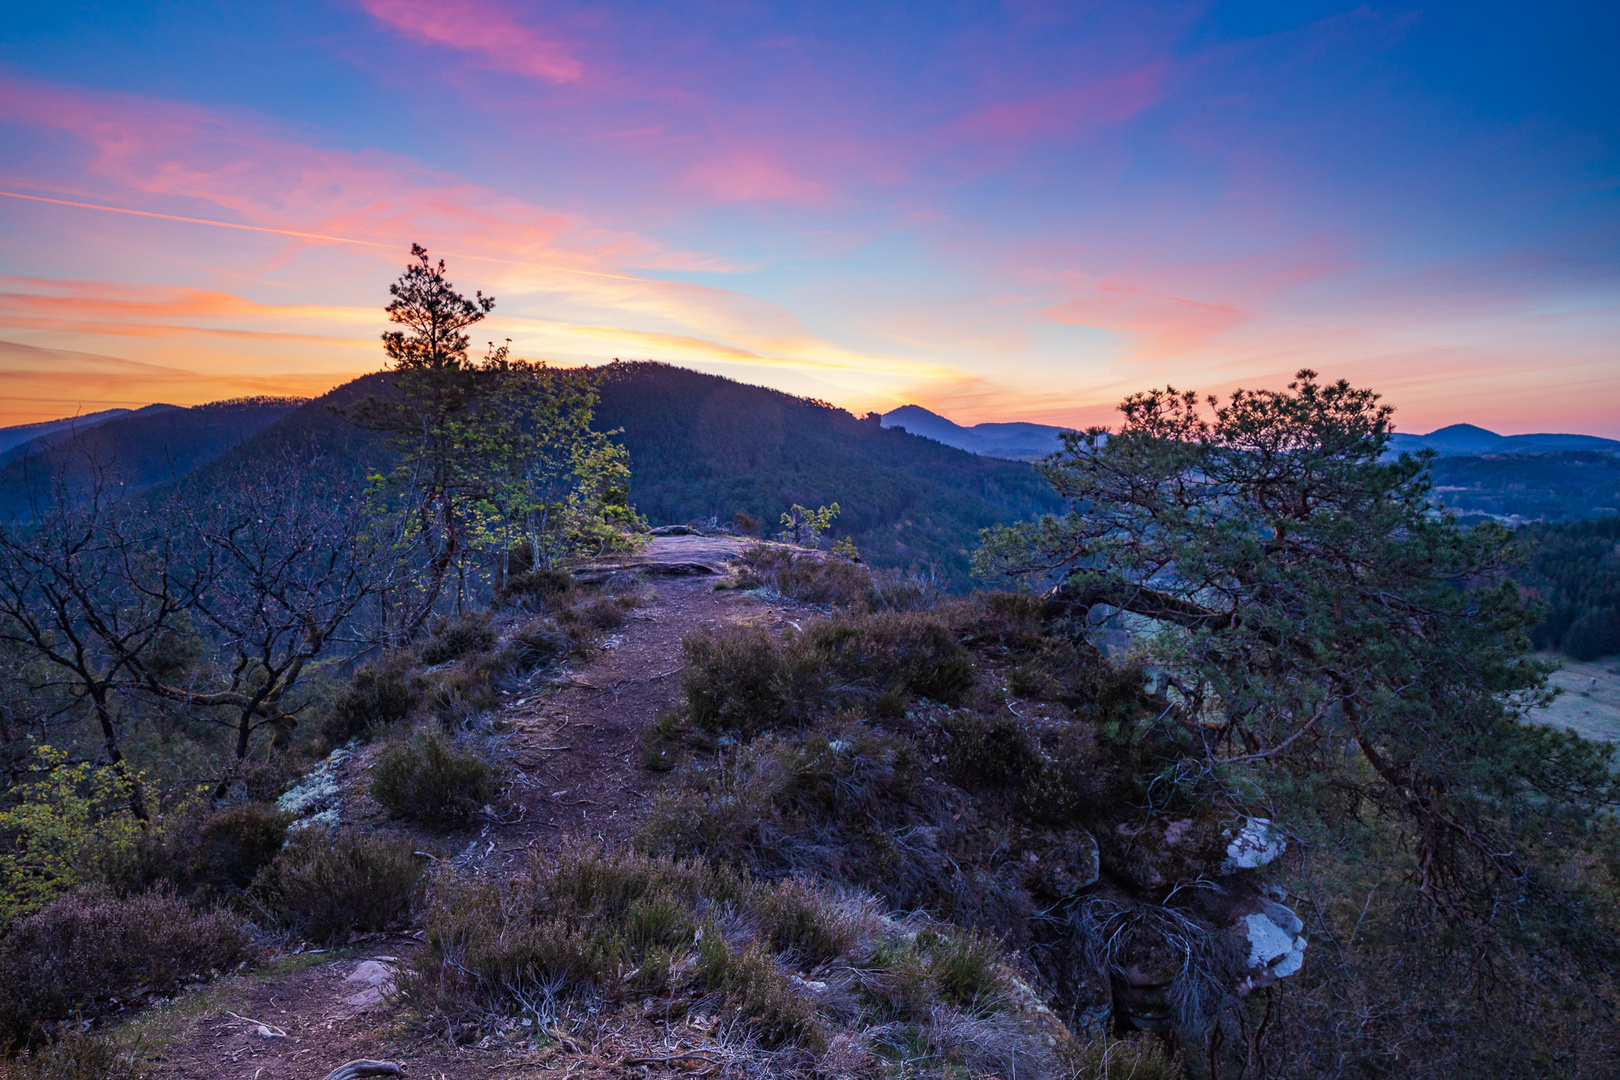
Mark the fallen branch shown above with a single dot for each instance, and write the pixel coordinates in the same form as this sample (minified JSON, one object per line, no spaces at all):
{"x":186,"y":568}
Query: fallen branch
{"x":353,"y":1069}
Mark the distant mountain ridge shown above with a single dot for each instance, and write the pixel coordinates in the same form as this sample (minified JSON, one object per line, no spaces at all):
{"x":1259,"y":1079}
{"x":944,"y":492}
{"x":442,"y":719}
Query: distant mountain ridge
{"x":1015,"y":440}
{"x":1469,"y":439}
{"x":1027,"y":442}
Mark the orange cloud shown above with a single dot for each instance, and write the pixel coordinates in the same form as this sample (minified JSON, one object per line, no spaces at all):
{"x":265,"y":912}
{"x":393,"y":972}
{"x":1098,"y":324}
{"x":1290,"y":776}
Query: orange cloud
{"x":479,"y":28}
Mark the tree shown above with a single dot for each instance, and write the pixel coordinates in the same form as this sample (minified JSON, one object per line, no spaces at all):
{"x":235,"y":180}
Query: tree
{"x":93,"y":587}
{"x":293,"y":561}
{"x":435,"y":386}
{"x":555,"y":487}
{"x":1332,"y":646}
{"x":803,"y":526}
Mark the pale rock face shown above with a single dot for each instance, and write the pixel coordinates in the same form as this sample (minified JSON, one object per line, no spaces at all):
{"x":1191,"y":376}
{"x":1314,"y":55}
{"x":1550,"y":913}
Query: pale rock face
{"x":1253,"y":846}
{"x":378,"y":977}
{"x":1276,"y":944}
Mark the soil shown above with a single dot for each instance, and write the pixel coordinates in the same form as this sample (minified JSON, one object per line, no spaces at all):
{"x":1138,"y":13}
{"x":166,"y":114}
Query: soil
{"x":575,"y":749}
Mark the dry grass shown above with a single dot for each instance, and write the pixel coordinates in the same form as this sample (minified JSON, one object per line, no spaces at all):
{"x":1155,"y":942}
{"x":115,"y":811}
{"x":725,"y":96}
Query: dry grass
{"x":792,"y":965}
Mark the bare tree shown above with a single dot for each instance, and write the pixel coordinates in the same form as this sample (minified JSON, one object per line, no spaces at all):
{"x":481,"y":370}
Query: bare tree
{"x":294,"y":560}
{"x":89,"y":585}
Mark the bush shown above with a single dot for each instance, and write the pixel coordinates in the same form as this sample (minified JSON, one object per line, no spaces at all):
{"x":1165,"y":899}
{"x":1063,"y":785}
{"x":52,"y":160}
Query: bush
{"x":90,"y":952}
{"x":456,"y":639}
{"x":533,"y":589}
{"x":380,"y":694}
{"x":430,"y":781}
{"x":326,"y":887}
{"x":77,"y":1055}
{"x":740,"y":679}
{"x":632,"y":925}
{"x":535,"y":644}
{"x":212,"y":853}
{"x":57,"y":822}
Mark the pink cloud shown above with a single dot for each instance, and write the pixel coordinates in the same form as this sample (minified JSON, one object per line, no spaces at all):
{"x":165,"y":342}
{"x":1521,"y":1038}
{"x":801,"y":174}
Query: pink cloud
{"x":471,"y":26}
{"x":754,"y":175}
{"x":1090,"y":105}
{"x":1160,"y":324}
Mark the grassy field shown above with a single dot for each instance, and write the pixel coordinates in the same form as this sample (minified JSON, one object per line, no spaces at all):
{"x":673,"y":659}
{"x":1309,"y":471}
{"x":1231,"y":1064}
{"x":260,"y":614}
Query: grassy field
{"x":1590,"y":702}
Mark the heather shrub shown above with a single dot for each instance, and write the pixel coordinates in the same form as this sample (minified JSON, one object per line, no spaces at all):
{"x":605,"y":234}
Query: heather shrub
{"x":206,"y":852}
{"x":379,"y":694}
{"x":78,"y":1055}
{"x":534,"y":589}
{"x":429,"y":780}
{"x":534,"y":644}
{"x":796,"y":964}
{"x":328,"y":886}
{"x":741,"y":679}
{"x":458,"y":638}
{"x":90,"y":953}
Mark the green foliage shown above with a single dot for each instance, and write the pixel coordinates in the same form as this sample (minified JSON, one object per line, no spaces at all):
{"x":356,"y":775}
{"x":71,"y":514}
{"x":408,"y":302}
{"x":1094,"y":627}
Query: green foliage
{"x":430,"y":781}
{"x":55,"y":826}
{"x":327,"y":886}
{"x":1309,"y":612}
{"x":803,"y":526}
{"x":90,"y":953}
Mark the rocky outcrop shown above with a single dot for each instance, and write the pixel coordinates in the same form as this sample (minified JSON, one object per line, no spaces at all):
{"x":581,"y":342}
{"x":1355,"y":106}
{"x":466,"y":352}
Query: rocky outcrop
{"x":1166,"y":922}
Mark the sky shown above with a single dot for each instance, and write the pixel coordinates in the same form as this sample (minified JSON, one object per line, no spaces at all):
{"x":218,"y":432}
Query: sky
{"x":999,"y":211}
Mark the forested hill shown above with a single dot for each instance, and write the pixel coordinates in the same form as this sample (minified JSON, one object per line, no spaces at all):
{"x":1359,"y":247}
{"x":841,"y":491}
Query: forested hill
{"x":703,"y":446}
{"x":139,"y":449}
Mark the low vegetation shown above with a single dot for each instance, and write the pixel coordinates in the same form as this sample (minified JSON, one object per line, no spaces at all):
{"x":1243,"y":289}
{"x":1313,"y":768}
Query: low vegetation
{"x":431,"y":781}
{"x":793,"y":966}
{"x":326,"y":887}
{"x":91,"y":953}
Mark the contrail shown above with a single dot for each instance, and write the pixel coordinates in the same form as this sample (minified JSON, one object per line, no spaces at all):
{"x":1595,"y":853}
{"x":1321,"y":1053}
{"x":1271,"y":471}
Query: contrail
{"x":364,"y":243}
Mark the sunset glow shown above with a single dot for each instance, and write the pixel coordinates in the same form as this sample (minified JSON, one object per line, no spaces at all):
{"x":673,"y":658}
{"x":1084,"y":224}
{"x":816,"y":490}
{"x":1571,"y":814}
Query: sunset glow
{"x":1016,"y":211}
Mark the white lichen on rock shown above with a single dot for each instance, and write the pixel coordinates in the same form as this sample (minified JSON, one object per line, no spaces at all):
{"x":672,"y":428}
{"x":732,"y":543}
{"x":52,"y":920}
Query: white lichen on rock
{"x":1252,"y":846}
{"x":313,"y":800}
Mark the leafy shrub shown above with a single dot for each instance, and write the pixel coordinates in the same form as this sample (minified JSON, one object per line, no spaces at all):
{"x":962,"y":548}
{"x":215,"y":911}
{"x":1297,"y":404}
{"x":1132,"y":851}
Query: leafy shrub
{"x":56,"y":824}
{"x":90,"y":952}
{"x":457,"y":639}
{"x":430,"y":781}
{"x":380,"y":694}
{"x":212,"y":852}
{"x":328,"y":886}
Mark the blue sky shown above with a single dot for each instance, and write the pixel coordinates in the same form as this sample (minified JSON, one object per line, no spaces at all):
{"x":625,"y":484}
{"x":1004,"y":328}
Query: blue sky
{"x":1000,"y":211}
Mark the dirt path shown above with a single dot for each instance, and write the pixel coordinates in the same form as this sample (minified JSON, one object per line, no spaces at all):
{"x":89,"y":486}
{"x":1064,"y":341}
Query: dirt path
{"x":576,"y":748}
{"x":578,"y":743}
